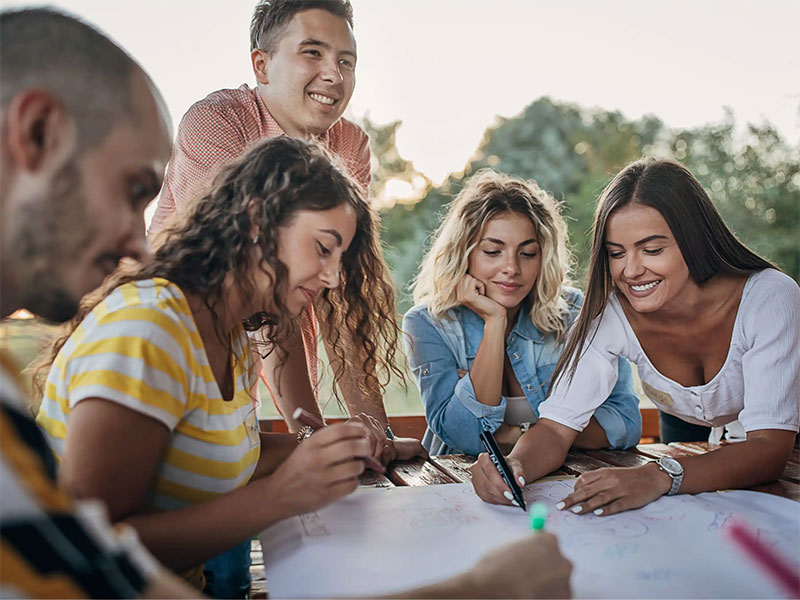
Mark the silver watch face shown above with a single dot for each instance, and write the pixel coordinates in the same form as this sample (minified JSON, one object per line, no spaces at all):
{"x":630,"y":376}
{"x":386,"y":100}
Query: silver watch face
{"x":671,"y":466}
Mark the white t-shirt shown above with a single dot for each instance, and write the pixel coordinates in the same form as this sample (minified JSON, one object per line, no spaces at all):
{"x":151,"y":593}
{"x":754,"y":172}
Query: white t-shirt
{"x":759,"y":383}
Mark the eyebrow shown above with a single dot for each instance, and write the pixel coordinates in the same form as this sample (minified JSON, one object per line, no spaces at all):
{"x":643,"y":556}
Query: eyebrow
{"x":327,"y":46}
{"x":502,"y":243}
{"x":641,"y":242}
{"x":334,"y":233}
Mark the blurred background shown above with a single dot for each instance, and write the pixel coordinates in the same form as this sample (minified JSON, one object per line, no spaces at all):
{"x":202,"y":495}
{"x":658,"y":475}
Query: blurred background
{"x":564,"y":93}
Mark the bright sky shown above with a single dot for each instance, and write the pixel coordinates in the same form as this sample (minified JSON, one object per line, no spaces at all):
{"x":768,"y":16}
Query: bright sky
{"x":447,"y":67}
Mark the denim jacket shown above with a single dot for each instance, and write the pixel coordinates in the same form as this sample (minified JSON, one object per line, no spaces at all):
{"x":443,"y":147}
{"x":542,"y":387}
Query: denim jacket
{"x":436,"y":349}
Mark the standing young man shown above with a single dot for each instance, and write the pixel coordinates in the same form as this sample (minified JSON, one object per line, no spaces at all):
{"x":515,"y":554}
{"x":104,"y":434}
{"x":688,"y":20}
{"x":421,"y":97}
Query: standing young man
{"x":303,"y":54}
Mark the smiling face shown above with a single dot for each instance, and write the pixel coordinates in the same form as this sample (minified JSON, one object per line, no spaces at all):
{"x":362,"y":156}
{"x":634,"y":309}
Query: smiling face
{"x":644,"y":259}
{"x":308,"y":81}
{"x":311,"y":247}
{"x":507,"y":258}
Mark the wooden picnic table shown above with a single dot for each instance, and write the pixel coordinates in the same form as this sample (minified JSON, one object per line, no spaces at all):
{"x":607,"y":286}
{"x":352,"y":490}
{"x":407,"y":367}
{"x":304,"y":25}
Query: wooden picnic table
{"x":454,"y":468}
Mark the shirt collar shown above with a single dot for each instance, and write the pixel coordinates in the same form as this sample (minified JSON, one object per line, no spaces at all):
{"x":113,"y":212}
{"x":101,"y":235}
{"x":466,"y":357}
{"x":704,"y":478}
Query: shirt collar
{"x":273,"y":129}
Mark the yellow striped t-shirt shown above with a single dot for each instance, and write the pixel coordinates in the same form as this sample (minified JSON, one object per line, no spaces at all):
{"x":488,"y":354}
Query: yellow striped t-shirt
{"x":140,"y":348}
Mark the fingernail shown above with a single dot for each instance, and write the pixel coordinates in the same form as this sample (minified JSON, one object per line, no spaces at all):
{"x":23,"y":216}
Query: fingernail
{"x":598,"y":511}
{"x":521,"y":480}
{"x":515,"y":503}
{"x":508,"y":495}
{"x":577,"y":509}
{"x":560,"y":505}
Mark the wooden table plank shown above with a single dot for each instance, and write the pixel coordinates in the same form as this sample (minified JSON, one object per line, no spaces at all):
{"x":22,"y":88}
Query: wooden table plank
{"x":697,"y":447}
{"x":659,"y":450}
{"x":374,"y":480}
{"x":618,"y":458}
{"x":782,"y":487}
{"x":455,"y":465}
{"x":578,"y":463}
{"x":417,"y":471}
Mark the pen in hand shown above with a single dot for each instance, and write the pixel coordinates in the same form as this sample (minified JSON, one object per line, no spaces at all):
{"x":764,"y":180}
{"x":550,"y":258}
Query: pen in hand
{"x":306,"y":418}
{"x":502,"y":466}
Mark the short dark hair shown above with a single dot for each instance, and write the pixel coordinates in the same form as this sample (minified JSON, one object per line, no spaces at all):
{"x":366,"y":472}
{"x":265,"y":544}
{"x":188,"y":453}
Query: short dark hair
{"x":90,"y":74}
{"x":271,"y":17}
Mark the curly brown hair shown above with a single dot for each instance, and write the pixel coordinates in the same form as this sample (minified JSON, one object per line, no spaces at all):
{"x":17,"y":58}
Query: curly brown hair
{"x":267,"y":187}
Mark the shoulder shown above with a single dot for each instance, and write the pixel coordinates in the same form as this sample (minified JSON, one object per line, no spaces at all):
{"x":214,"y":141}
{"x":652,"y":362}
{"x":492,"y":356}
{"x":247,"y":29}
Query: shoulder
{"x":573,"y":297}
{"x":772,"y":287}
{"x":770,"y":297}
{"x":347,"y":137}
{"x":418,"y":314}
{"x":222,"y":106}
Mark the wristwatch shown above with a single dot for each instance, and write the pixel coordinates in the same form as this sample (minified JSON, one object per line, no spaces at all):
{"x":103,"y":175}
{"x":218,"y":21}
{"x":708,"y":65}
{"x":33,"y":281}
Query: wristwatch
{"x":674,"y":469}
{"x":304,"y":433}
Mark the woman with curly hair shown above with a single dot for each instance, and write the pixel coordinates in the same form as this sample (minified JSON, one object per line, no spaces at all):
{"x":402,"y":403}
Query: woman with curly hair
{"x":492,"y":311}
{"x":147,"y":403}
{"x":712,"y":327}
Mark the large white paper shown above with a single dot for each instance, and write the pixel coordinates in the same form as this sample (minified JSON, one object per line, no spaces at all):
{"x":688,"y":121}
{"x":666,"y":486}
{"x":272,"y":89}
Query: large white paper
{"x":378,"y":541}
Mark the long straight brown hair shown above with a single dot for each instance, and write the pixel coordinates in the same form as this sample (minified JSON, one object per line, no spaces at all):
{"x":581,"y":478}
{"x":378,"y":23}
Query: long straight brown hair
{"x":708,"y":246}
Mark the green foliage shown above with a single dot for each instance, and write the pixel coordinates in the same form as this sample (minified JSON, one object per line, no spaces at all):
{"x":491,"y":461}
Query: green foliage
{"x":573,"y":152}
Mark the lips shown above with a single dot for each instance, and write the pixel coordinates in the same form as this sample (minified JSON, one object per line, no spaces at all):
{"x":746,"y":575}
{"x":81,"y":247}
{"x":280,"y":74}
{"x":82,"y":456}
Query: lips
{"x":507,"y":286}
{"x":645,"y":288}
{"x":309,"y":294}
{"x":323,"y":98}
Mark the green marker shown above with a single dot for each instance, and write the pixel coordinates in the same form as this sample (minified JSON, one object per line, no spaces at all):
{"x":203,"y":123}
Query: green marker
{"x":538,"y":516}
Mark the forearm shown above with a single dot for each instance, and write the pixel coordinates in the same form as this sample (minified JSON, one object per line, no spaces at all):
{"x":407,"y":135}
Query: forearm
{"x":187,"y":536}
{"x":593,"y":437}
{"x":275,"y":448}
{"x":760,"y":459}
{"x":487,"y":368}
{"x":289,"y":382}
{"x":543,"y":448}
{"x":356,"y":400}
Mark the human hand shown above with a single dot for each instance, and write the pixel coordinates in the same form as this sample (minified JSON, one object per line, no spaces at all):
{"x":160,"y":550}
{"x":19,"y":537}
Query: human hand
{"x":488,"y":482}
{"x":612,"y":490}
{"x":532,"y":567}
{"x":376,"y":436}
{"x":408,"y":448}
{"x":323,"y":468}
{"x":471,"y":293}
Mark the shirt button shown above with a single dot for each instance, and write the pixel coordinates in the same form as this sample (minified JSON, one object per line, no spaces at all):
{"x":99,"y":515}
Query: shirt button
{"x":511,"y":340}
{"x":527,"y":387}
{"x":516,"y":354}
{"x":424,"y":371}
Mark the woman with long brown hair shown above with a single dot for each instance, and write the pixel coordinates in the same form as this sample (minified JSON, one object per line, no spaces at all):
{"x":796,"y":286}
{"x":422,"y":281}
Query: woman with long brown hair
{"x":713,"y":328}
{"x":148,"y":402}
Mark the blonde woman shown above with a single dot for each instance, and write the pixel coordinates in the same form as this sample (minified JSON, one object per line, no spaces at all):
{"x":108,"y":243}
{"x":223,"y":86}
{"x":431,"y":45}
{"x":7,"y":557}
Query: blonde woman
{"x":491,"y":315}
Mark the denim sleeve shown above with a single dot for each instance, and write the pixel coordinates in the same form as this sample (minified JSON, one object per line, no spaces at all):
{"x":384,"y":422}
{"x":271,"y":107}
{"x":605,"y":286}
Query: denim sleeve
{"x":619,"y":415}
{"x":451,"y":408}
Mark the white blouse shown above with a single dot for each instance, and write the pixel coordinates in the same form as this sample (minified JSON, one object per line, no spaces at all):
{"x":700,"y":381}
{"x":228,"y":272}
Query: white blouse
{"x":759,"y":383}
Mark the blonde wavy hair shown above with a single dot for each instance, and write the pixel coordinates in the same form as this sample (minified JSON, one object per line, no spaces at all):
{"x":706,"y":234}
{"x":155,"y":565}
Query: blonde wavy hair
{"x":486,"y":195}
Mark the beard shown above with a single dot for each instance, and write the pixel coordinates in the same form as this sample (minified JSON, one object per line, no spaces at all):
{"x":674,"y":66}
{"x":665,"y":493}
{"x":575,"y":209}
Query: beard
{"x":54,"y":232}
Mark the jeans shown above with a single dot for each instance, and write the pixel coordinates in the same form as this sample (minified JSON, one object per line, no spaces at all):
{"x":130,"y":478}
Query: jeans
{"x":228,"y":575}
{"x":673,"y":429}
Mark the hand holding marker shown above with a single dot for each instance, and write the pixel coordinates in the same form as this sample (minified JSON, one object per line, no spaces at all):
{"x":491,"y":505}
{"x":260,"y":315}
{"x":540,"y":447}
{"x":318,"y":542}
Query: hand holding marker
{"x":306,"y":418}
{"x":502,"y":466}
